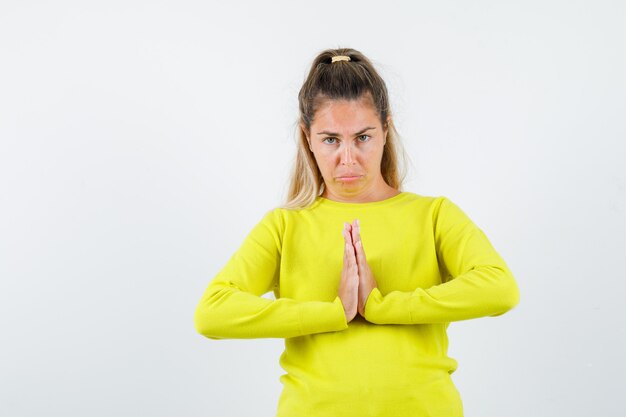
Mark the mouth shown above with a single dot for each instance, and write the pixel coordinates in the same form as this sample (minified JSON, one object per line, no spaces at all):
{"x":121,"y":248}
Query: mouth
{"x":349,"y":178}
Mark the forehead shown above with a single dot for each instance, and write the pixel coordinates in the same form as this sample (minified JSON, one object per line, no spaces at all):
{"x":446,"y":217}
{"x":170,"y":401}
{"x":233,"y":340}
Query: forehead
{"x":346,"y":113}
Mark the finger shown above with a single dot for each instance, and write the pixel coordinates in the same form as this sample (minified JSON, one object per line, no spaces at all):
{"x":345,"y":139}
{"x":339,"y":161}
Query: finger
{"x":355,"y":233}
{"x":358,"y":242}
{"x":347,"y":232}
{"x":349,"y":254}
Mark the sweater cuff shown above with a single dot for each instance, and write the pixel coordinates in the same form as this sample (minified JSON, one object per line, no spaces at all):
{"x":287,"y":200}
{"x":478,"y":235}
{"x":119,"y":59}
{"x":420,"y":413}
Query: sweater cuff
{"x":322,"y":316}
{"x":394,"y":308}
{"x":374,"y":299}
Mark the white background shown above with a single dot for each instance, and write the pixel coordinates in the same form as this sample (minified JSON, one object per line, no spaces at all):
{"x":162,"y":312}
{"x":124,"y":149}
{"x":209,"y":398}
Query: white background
{"x":142,"y":140}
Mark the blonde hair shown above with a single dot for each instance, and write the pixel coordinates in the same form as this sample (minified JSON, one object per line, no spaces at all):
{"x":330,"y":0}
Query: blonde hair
{"x":347,"y":80}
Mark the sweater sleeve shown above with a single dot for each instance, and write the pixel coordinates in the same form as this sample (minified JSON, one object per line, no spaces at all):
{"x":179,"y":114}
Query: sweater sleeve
{"x":232,"y":307}
{"x":478,"y":282}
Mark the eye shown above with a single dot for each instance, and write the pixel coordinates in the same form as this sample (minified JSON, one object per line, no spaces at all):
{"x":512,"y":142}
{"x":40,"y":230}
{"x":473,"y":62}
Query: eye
{"x":364,"y":136}
{"x":328,"y":139}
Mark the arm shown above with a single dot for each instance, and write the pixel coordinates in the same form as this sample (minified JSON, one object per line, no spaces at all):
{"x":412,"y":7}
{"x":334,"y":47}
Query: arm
{"x":479,"y":282}
{"x":232,"y":306}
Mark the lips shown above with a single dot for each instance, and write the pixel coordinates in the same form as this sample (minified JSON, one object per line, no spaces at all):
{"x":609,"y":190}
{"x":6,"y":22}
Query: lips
{"x":349,"y":178}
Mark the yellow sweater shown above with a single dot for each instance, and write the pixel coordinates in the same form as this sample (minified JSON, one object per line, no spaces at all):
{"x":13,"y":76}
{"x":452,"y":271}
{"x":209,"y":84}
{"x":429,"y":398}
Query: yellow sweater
{"x":433,"y":266}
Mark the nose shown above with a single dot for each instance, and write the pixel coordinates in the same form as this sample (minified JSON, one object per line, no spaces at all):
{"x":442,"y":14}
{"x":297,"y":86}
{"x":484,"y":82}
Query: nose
{"x":346,"y":156}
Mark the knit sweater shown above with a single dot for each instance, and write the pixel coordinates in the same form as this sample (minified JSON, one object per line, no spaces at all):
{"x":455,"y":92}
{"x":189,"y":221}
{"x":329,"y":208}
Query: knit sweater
{"x":432,"y":265}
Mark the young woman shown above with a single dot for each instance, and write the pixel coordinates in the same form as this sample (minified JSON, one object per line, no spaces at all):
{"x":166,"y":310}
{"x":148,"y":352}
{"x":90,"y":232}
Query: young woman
{"x":367,"y":277}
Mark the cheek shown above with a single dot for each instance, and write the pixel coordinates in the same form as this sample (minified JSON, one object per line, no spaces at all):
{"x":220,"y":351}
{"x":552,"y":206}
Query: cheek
{"x":326,"y":158}
{"x":324,"y":163}
{"x":373,"y":155}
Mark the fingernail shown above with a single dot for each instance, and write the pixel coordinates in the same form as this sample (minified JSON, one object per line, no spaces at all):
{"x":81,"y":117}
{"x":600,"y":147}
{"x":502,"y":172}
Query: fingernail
{"x":357,"y":223}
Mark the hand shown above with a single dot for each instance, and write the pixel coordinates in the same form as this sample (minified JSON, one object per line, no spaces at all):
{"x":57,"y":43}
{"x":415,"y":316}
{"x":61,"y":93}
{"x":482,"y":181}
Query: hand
{"x":366,"y":279}
{"x":349,"y":284}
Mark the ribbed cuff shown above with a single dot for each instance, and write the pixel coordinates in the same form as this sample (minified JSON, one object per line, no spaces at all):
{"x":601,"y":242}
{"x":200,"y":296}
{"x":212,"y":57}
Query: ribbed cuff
{"x":322,"y":316}
{"x":395,"y":307}
{"x":374,"y":299}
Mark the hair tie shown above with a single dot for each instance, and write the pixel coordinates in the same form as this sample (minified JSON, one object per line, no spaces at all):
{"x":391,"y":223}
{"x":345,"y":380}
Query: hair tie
{"x":340,"y":58}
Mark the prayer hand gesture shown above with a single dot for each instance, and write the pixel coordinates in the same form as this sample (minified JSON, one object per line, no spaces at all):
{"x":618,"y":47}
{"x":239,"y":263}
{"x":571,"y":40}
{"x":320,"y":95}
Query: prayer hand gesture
{"x":357,"y":280}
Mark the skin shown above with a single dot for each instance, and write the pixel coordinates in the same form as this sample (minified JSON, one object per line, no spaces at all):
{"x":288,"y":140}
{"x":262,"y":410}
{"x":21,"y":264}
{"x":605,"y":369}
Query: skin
{"x":346,"y":149}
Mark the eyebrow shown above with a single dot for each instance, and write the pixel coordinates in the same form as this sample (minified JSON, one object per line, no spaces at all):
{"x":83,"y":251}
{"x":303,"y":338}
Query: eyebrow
{"x":337,"y":134}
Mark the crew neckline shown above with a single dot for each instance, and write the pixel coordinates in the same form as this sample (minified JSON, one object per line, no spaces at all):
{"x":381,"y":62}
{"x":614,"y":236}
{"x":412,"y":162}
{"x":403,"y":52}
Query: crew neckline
{"x":323,"y":201}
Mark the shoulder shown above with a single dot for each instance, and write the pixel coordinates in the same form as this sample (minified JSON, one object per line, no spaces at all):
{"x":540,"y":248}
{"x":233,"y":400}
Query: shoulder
{"x":438,"y":207}
{"x":432,"y":203}
{"x":274,"y":218}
